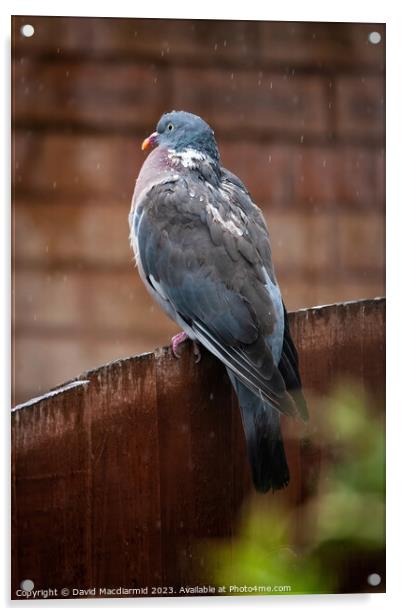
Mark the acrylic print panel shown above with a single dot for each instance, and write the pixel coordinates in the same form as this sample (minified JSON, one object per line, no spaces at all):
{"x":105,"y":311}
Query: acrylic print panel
{"x":133,"y":479}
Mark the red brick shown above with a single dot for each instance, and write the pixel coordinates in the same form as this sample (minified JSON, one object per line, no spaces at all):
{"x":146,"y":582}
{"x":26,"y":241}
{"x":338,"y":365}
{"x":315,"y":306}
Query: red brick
{"x":163,"y":39}
{"x":335,"y":244}
{"x":310,"y":176}
{"x":45,"y":361}
{"x":62,"y":166}
{"x":340,"y":176}
{"x":88,"y":93}
{"x":380,"y":176}
{"x":322,"y":45}
{"x":71,"y":233}
{"x":313,"y":247}
{"x":87,"y":302}
{"x":361,"y":243}
{"x":62,"y":36}
{"x":97,"y":237}
{"x":266,"y":169}
{"x":360,"y":107}
{"x":73,"y":191}
{"x":252,"y":99}
{"x":200,"y":41}
{"x":301,"y":242}
{"x":302,"y":294}
{"x":104,"y":168}
{"x":95,"y":233}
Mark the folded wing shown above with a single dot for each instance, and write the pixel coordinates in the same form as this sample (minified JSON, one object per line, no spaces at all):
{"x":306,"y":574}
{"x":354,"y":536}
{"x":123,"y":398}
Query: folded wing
{"x":209,"y":259}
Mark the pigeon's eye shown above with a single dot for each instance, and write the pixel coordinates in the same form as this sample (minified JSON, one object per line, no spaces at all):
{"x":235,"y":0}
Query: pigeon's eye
{"x":170,"y":126}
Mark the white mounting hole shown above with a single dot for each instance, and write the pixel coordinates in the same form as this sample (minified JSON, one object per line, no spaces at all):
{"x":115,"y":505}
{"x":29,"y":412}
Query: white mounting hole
{"x":27,"y":585}
{"x":27,"y":30}
{"x":374,"y":579}
{"x":374,"y":38}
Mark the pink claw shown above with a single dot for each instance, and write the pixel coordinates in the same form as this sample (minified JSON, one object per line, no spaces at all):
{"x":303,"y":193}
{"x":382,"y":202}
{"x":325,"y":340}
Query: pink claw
{"x":178,"y":339}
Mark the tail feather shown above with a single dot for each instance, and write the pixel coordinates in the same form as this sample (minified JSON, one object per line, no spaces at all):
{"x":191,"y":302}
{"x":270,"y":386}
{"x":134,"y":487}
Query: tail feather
{"x":261,"y":424}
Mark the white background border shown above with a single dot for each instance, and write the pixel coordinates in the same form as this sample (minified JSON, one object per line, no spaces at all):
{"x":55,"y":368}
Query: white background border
{"x":302,"y":10}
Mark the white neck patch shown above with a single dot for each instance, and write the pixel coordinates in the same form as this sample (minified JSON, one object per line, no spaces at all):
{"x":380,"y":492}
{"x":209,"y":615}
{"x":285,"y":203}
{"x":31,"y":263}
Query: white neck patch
{"x":189,"y":157}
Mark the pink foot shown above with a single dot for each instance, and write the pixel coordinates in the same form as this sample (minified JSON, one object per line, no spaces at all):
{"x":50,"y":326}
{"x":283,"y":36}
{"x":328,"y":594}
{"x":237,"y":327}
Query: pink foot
{"x":178,"y":339}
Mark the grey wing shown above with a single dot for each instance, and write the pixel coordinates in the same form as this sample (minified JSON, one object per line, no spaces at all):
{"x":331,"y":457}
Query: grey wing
{"x":195,"y":252}
{"x":288,"y":363}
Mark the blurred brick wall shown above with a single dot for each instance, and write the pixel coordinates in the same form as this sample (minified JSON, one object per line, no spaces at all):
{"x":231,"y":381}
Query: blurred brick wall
{"x":298,"y":111}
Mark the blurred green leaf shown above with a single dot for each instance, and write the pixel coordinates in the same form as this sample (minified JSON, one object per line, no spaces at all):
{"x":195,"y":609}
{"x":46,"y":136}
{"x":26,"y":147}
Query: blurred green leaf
{"x":346,"y":518}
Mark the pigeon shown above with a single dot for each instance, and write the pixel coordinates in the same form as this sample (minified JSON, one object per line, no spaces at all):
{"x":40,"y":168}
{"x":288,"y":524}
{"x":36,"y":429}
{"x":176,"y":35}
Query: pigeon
{"x":203,"y":251}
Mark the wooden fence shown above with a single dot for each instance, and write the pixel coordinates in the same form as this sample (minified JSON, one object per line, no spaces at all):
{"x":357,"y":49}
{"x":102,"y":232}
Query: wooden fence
{"x":118,"y":475}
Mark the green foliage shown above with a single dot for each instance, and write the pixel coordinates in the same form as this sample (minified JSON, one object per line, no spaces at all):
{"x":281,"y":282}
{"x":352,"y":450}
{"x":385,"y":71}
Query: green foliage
{"x":329,"y":543}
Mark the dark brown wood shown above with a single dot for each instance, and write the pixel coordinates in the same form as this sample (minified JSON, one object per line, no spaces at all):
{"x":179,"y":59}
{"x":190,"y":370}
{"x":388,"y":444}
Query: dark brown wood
{"x":117,"y":476}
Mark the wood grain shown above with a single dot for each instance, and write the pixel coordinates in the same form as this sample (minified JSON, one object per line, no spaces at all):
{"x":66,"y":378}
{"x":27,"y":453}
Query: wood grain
{"x":117,"y":480}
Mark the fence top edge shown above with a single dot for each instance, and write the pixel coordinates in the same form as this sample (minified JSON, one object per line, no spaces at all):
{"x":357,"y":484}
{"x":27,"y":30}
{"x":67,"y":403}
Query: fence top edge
{"x":50,"y":394}
{"x":85,"y":377}
{"x":372,"y":301}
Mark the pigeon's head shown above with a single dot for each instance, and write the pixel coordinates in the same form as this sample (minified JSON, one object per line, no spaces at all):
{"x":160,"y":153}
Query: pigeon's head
{"x":180,"y":131}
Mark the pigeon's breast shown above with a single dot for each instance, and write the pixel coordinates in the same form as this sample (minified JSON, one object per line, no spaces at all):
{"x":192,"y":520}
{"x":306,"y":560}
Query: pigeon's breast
{"x":156,"y":168}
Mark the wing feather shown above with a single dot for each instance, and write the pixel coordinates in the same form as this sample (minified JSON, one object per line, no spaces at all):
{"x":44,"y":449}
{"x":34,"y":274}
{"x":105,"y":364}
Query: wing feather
{"x":208,"y":267}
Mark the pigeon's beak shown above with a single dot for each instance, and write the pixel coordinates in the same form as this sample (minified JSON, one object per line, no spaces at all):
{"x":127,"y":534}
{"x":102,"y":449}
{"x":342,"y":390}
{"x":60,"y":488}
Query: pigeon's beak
{"x":150,"y":141}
